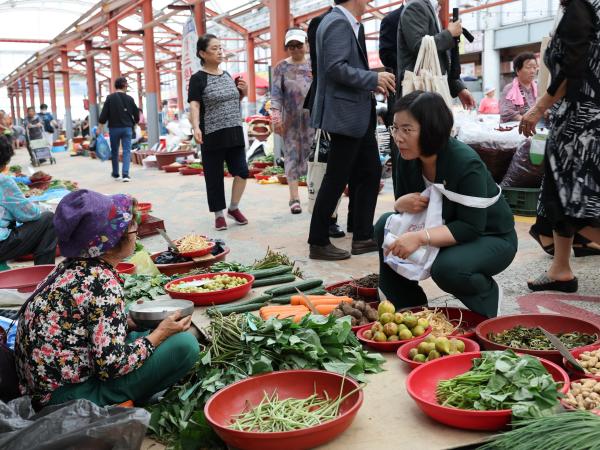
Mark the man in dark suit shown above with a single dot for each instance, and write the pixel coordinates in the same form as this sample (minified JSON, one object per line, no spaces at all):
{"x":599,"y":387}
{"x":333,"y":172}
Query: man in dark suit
{"x":419,"y":19}
{"x":344,"y":106}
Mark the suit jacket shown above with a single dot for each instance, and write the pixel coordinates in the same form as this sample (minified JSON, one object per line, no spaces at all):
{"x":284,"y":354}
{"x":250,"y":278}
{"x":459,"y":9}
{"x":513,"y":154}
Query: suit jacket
{"x":343,"y":101}
{"x":388,"y":39}
{"x":460,"y":169}
{"x":419,"y":20}
{"x":313,"y":26}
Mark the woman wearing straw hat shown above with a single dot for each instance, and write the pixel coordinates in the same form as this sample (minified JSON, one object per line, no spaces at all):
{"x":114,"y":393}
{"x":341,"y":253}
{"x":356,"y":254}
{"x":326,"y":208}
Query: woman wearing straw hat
{"x":489,"y":104}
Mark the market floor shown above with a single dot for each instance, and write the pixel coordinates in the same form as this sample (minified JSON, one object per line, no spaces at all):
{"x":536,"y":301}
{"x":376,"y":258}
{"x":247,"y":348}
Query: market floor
{"x":181,"y":202}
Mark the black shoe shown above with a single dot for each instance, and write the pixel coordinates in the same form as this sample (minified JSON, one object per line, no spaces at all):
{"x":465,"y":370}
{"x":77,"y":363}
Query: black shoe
{"x":366,"y":246}
{"x":335,"y":231}
{"x":328,"y":252}
{"x":545,"y":283}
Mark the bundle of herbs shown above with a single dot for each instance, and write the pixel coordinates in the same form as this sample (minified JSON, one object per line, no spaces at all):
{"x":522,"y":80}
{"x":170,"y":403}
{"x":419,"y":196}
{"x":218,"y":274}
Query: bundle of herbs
{"x":241,"y":345}
{"x":534,"y":338}
{"x":503,"y":380}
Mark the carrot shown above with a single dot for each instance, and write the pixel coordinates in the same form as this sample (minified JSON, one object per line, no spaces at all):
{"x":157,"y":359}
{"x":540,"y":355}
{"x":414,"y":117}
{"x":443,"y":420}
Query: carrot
{"x":281,"y":311}
{"x":325,"y":309}
{"x":319,"y":300}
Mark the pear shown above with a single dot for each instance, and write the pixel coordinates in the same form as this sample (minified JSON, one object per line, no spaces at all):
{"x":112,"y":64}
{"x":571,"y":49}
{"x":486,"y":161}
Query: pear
{"x":405,"y":334}
{"x":386,"y":307}
{"x":423,"y":322}
{"x":410,"y":321}
{"x":412,"y":353}
{"x":418,"y":330}
{"x":442,"y":345}
{"x":433,"y":354}
{"x":420,"y":358}
{"x":386,"y":318}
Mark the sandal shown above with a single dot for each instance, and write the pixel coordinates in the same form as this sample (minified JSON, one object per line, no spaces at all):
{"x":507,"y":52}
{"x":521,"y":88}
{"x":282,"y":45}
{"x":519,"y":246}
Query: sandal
{"x":585,"y":250}
{"x":547,"y":248}
{"x":295,"y":206}
{"x":545,"y":283}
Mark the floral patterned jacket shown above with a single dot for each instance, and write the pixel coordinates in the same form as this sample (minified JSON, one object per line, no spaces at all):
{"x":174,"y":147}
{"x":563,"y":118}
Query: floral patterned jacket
{"x":74,"y":329}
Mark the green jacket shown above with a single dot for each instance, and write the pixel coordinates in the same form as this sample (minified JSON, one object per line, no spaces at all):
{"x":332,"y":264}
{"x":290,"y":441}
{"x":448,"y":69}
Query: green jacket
{"x":460,"y":170}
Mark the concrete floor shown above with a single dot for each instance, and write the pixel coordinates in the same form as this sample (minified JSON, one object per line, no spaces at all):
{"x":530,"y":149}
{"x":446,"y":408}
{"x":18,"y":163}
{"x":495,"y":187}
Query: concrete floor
{"x":181,"y":202}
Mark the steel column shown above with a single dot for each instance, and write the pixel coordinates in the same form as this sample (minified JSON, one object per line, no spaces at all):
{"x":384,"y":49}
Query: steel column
{"x":150,"y":75}
{"x":179,"y":77}
{"x":115,"y":60}
{"x":40,"y":83}
{"x":279,"y":12}
{"x":140,"y":89}
{"x":24,"y":94}
{"x":200,"y":17}
{"x":91,"y":85}
{"x":52,"y":83}
{"x":251,"y":71}
{"x":64,"y":58}
{"x":31,"y":89}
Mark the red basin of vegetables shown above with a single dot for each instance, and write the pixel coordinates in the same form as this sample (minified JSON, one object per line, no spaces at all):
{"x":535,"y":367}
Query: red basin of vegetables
{"x":189,"y":171}
{"x":198,"y":253}
{"x":261,"y":165}
{"x":386,"y":346}
{"x":370,"y":293}
{"x":470,"y":346}
{"x":553,"y":323}
{"x":262,"y":177}
{"x":574,"y":373}
{"x":212,"y":298}
{"x":185,"y":267}
{"x":172,"y":169}
{"x":232,"y":400}
{"x":468,"y":319}
{"x":422,"y":382}
{"x":125,"y":268}
{"x":25,"y":279}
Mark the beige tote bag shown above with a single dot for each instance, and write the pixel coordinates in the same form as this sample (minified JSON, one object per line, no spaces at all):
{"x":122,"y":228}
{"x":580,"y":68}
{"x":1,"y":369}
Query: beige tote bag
{"x":427,"y":75}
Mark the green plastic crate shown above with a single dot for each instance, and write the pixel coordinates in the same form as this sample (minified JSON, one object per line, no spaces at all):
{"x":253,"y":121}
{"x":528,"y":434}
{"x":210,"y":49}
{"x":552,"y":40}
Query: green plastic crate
{"x":523,"y":201}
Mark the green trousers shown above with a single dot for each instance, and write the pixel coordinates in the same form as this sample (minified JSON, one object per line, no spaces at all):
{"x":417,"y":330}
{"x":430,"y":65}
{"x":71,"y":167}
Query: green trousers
{"x":463,"y":270}
{"x":169,"y":363}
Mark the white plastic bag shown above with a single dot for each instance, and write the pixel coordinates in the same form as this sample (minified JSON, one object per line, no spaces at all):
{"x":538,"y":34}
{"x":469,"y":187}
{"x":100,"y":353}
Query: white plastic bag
{"x":316,"y":171}
{"x":418,"y":265}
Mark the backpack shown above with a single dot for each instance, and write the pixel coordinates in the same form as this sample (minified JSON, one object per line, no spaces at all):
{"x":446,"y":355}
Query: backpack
{"x":48,"y":128}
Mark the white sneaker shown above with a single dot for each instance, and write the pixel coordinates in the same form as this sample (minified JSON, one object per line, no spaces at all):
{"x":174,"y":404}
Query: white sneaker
{"x":116,"y":178}
{"x":126,"y":179}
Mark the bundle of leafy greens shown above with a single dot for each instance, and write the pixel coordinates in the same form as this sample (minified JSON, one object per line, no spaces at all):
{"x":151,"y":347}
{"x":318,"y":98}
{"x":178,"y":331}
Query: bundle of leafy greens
{"x":143,"y":286}
{"x":242,"y":345}
{"x":503,"y":380}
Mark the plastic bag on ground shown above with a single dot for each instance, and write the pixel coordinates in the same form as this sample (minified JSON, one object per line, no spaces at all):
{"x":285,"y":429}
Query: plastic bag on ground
{"x":75,"y":425}
{"x":144,"y":264}
{"x":522,"y":173}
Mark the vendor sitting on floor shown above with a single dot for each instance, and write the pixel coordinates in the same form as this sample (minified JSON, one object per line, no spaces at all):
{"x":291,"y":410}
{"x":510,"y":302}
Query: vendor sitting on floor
{"x":36,"y":234}
{"x":474,"y":243}
{"x":74,"y":338}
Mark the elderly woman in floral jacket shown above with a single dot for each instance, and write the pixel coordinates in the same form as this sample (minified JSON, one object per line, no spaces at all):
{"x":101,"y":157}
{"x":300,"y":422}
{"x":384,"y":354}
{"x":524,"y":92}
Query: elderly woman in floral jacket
{"x":74,"y":339}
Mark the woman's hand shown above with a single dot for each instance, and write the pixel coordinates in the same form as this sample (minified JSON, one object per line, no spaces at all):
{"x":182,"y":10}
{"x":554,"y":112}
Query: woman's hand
{"x":406,"y":244}
{"x":198,"y":135}
{"x":242,"y":87}
{"x":411,"y":203}
{"x":530,"y":120}
{"x":173,"y":324}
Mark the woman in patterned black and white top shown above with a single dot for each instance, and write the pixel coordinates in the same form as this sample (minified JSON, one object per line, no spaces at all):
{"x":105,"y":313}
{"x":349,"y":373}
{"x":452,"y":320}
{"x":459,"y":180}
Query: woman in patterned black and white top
{"x":214,"y":99}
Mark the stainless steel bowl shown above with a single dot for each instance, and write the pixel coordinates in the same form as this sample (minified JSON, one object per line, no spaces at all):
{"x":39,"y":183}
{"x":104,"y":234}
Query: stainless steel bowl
{"x":148,"y":314}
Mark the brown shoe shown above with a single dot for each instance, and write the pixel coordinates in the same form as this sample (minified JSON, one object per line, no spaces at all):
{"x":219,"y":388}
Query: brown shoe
{"x":366,"y":246}
{"x":328,"y":252}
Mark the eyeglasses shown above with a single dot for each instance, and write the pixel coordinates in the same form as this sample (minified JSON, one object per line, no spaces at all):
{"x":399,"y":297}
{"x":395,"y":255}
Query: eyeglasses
{"x":406,"y":131}
{"x":294,"y":46}
{"x":135,"y":232}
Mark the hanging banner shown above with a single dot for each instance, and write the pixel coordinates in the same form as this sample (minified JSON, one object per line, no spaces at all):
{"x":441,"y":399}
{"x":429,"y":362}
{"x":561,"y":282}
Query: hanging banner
{"x":190,"y":63}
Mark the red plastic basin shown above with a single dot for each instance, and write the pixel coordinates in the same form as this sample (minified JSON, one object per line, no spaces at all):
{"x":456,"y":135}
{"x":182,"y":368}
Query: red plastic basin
{"x":422,"y":382}
{"x":470,"y":346}
{"x":185,"y":267}
{"x":189,"y":171}
{"x":228,"y":402}
{"x":576,"y":374}
{"x":370,"y":293}
{"x":551,"y":322}
{"x":198,"y":253}
{"x":261,"y":165}
{"x":125,"y":268}
{"x":25,"y":279}
{"x":212,"y":298}
{"x":468,"y":319}
{"x":386,"y":346}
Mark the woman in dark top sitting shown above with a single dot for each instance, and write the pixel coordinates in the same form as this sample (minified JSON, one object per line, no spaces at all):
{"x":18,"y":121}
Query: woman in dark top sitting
{"x":475,"y":243}
{"x":214,"y":99}
{"x":570,"y":197}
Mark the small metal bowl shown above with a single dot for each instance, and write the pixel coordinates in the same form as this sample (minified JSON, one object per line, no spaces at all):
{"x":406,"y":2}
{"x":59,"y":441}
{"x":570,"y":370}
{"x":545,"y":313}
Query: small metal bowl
{"x":148,"y":314}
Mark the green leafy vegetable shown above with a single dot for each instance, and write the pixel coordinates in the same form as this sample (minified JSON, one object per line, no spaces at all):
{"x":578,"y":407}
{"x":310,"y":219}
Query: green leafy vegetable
{"x":140,"y":286}
{"x":534,"y":338}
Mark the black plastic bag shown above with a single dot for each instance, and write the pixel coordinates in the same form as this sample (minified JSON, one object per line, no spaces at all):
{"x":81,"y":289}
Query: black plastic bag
{"x":522,"y":173}
{"x":75,"y":425}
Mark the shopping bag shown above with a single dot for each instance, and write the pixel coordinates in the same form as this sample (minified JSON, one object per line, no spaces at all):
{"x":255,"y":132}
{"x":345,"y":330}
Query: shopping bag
{"x":418,"y":265}
{"x":102,"y":148}
{"x":427,"y":75}
{"x":317,"y":165}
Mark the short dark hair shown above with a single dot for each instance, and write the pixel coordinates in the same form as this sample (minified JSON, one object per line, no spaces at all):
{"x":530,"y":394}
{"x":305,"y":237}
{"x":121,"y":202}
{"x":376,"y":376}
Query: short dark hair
{"x":520,"y":59}
{"x":121,"y":83}
{"x":434,"y":117}
{"x":43,"y":106}
{"x":202,"y":44}
{"x":31,"y":108}
{"x":339,"y":2}
{"x":6,"y":151}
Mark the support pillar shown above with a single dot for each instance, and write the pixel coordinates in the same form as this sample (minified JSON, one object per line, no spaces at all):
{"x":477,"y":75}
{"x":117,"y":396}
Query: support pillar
{"x":251,"y":71}
{"x":17,"y":119}
{"x":31,"y":89}
{"x":280,"y":22}
{"x":91,"y":85}
{"x":150,"y":75}
{"x":179,"y":76}
{"x":200,"y":17}
{"x":40,"y":83}
{"x":64,"y":58}
{"x":11,"y":96}
{"x":158,"y":90}
{"x":490,"y":57}
{"x":444,"y":13}
{"x":140,"y":89}
{"x":99,"y":92}
{"x":24,"y":95}
{"x":115,"y":61}
{"x":52,"y":83}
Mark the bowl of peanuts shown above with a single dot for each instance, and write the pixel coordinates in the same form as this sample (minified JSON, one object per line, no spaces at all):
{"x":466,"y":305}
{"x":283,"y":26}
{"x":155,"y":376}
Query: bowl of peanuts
{"x":588,"y":357}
